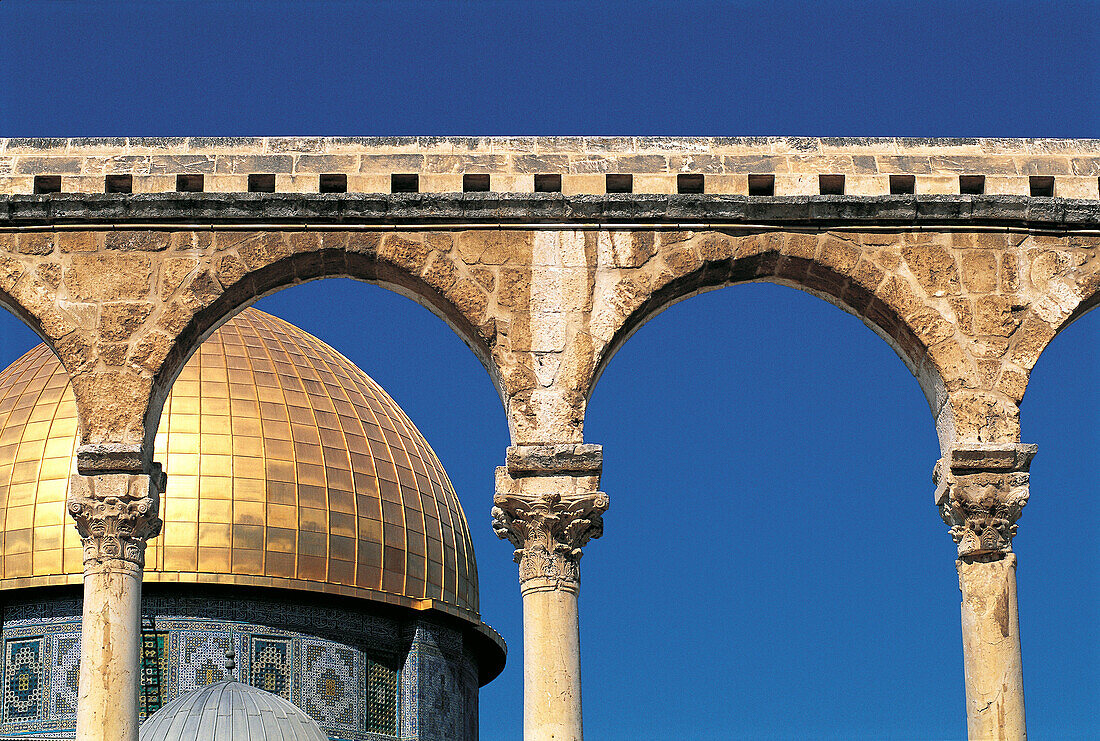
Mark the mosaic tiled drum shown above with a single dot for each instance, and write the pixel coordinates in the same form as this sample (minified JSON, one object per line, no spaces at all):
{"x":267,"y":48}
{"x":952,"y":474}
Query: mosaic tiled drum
{"x":291,"y":474}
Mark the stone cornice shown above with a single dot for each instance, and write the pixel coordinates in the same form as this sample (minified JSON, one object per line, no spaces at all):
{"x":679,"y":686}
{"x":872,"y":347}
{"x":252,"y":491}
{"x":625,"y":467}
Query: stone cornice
{"x":541,"y":144}
{"x":301,"y":210}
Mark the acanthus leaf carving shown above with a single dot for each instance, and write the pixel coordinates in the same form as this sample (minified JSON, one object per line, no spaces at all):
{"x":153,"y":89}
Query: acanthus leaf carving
{"x":115,"y":514}
{"x":982,"y":504}
{"x":549,"y":532}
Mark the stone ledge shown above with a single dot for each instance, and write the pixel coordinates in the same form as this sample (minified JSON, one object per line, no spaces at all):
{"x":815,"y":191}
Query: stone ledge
{"x":534,"y":208}
{"x":992,"y":457}
{"x":554,"y":459}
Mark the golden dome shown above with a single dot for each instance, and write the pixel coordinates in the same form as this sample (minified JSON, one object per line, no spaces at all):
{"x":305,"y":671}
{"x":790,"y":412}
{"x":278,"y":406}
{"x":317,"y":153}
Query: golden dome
{"x":287,"y":467}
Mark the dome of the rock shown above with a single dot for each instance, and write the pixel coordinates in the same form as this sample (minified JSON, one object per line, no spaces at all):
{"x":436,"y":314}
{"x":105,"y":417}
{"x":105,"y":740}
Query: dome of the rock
{"x":291,"y":475}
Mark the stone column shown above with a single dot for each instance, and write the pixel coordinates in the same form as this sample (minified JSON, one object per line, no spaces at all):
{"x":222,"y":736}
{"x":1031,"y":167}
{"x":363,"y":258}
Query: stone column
{"x":115,"y":513}
{"x":548,"y":506}
{"x":981,"y":490}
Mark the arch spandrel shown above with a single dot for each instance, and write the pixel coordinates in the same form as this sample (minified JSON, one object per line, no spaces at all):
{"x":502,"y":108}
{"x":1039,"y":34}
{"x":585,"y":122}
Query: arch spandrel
{"x":950,"y":304}
{"x":31,"y":288}
{"x":1061,"y":274}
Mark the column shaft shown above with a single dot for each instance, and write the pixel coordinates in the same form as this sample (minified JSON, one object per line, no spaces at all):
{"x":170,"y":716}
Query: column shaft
{"x":551,"y":665}
{"x":110,"y":660}
{"x":991,"y":650}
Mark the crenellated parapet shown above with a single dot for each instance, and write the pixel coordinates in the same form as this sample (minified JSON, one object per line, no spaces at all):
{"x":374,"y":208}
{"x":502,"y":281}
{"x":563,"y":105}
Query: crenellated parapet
{"x":781,"y":166}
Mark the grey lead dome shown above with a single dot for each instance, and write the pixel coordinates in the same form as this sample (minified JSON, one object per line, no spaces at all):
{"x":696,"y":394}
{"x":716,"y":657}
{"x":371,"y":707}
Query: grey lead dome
{"x":230,"y":711}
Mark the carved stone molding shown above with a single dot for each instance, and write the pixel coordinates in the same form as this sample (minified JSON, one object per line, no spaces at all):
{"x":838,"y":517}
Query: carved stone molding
{"x":116,"y":513}
{"x":981,"y":493}
{"x":549,"y":532}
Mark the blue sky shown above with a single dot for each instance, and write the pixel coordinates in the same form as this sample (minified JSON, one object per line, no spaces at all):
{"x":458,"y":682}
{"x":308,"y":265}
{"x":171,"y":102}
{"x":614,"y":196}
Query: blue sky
{"x":773,"y":566}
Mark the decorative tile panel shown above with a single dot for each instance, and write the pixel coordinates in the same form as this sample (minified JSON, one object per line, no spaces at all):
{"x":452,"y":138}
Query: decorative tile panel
{"x":155,"y":668}
{"x":64,"y":676}
{"x":23,"y":674}
{"x":271,"y":665}
{"x":381,"y":710}
{"x":330,"y":690}
{"x":201,"y":660}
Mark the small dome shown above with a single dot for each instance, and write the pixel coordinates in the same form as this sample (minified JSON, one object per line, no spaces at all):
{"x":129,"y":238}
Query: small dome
{"x":230,"y":710}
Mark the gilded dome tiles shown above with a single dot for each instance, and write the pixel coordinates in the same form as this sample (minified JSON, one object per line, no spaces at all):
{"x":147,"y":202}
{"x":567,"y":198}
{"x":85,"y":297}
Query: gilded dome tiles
{"x":288,"y":467}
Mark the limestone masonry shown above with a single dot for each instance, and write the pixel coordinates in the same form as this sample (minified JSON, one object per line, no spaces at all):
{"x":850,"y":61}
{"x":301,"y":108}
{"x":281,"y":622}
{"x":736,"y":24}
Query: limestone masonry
{"x":545,"y":255}
{"x":1008,"y":165}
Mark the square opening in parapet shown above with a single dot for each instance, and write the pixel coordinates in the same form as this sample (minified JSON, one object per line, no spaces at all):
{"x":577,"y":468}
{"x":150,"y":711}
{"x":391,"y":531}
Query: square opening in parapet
{"x":761,"y":185}
{"x":549,"y":183}
{"x":620,"y":183}
{"x":333,"y":183}
{"x":830,"y":185}
{"x":261,"y":183}
{"x":404,"y":183}
{"x":901,"y":185}
{"x":971,"y":185}
{"x":689,"y":183}
{"x":475,"y":183}
{"x":1041,"y":185}
{"x":47,"y":183}
{"x":189,"y":183}
{"x":118,"y":184}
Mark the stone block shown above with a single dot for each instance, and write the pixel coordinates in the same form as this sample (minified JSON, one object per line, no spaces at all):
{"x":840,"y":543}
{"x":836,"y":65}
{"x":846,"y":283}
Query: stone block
{"x":554,"y":459}
{"x":155,"y":184}
{"x":654,"y":183}
{"x":1007,"y":186}
{"x":1044,"y":166}
{"x":979,"y":271}
{"x":936,"y":184}
{"x":13,"y":184}
{"x":513,"y":183}
{"x":583,"y":184}
{"x":247,"y":164}
{"x":867,"y":185}
{"x":109,"y":276}
{"x":369,"y":183}
{"x":797,"y":185}
{"x":441,"y":183}
{"x":727,"y":184}
{"x":296,"y":183}
{"x":225,"y":183}
{"x":1077,"y":187}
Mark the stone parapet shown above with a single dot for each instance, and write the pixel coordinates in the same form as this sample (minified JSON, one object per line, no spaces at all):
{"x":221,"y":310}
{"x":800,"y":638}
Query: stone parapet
{"x":795,"y":165}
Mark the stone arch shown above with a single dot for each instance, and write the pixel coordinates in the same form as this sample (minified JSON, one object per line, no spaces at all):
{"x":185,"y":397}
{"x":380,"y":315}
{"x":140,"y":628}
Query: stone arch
{"x":855,"y":272}
{"x":245,"y":266}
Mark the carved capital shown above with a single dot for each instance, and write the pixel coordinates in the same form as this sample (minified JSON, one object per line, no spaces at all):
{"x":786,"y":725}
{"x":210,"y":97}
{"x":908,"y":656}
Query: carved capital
{"x":549,"y":532}
{"x":981,"y":494}
{"x":116,"y":513}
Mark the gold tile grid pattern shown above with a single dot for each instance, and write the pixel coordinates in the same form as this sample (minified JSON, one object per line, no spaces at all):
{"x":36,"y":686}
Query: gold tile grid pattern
{"x":287,"y":467}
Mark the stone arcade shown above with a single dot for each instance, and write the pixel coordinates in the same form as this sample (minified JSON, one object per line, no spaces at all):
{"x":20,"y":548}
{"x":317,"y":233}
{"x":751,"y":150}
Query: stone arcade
{"x":967,"y":256}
